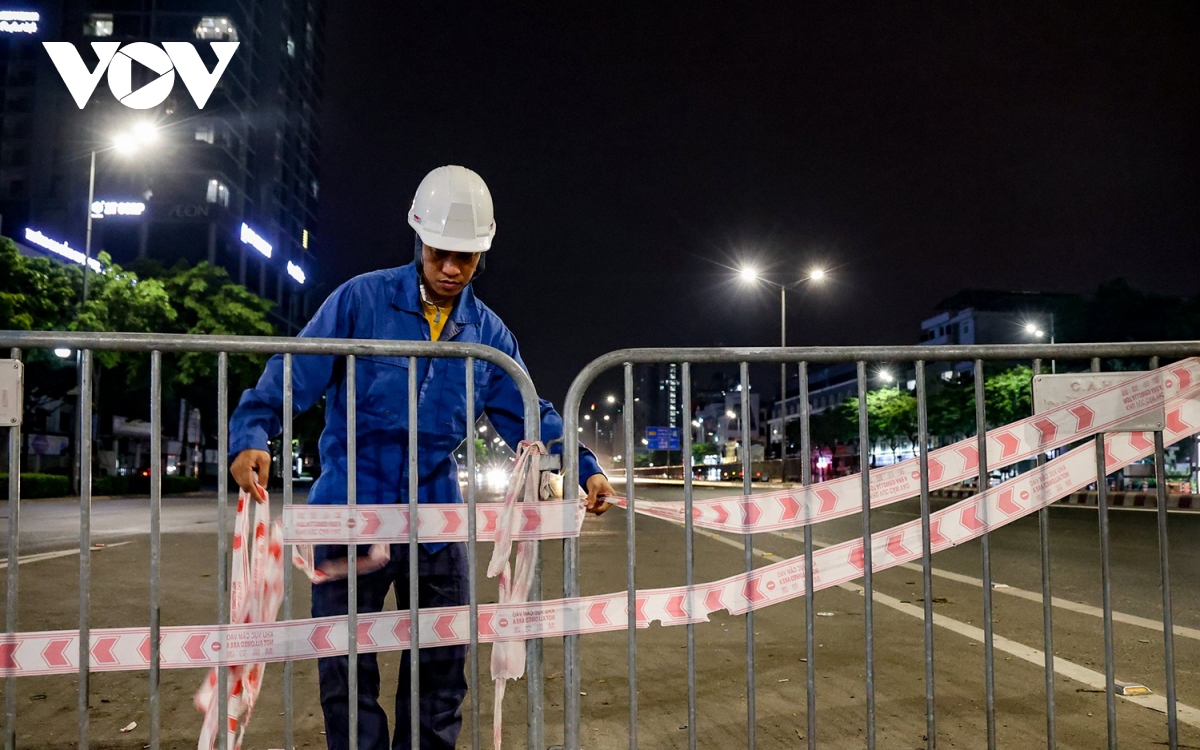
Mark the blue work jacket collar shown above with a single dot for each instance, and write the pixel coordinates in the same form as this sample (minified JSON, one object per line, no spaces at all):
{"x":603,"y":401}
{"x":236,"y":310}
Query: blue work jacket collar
{"x":407,"y":297}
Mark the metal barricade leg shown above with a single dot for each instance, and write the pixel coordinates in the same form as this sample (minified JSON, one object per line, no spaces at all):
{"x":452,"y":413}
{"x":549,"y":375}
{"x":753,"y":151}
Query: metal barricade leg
{"x":989,"y":653}
{"x":85,"y":537}
{"x":11,"y":595}
{"x":630,"y":583}
{"x":472,"y":558}
{"x":155,"y":540}
{"x":289,"y":671}
{"x":222,"y":536}
{"x":810,"y":606}
{"x":1168,"y":613}
{"x":414,"y":551}
{"x":926,"y":554}
{"x":864,"y":453}
{"x":1110,"y":695}
{"x":352,"y":547}
{"x":748,"y":557}
{"x":688,"y":551}
{"x":1047,"y":603}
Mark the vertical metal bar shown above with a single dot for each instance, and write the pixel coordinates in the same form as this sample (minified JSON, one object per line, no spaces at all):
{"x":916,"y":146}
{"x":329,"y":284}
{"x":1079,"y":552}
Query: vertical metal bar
{"x":222,"y":538}
{"x":535,"y":693}
{"x":14,"y":550}
{"x":352,"y":547}
{"x":1047,"y":604}
{"x":1168,"y":613}
{"x":989,"y":665}
{"x":155,"y":540}
{"x":571,"y":676}
{"x":85,"y":536}
{"x":864,"y":456}
{"x":630,"y":584}
{"x":809,"y":605}
{"x":289,"y":667}
{"x":1160,"y":480}
{"x":472,"y":557}
{"x":1110,"y":694}
{"x":926,"y":554}
{"x":414,"y":652}
{"x":688,"y":551}
{"x":748,"y":557}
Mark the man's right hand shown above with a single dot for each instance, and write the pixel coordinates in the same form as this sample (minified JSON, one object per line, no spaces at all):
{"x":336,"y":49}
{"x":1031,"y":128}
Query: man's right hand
{"x":251,"y":467}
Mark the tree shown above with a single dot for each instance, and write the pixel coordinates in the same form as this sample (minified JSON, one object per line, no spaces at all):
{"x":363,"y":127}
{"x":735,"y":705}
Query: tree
{"x":951,"y":409}
{"x":700,"y":450}
{"x":207,"y":301}
{"x":1008,"y":396}
{"x":36,"y":294}
{"x":45,"y":295}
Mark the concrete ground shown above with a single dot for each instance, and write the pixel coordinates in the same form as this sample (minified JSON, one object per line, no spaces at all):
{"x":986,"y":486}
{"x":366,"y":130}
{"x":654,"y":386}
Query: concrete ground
{"x":47,"y":715}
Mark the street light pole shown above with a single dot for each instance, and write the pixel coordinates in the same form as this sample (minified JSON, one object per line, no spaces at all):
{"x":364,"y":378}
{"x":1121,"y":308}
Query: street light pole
{"x":87,"y":247}
{"x":750,"y":274}
{"x":1053,"y":369}
{"x":782,"y":385}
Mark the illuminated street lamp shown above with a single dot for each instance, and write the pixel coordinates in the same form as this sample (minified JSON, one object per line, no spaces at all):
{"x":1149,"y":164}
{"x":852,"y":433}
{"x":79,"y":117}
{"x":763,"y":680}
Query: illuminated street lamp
{"x":750,"y":274}
{"x":1033,"y":329}
{"x":143,"y":133}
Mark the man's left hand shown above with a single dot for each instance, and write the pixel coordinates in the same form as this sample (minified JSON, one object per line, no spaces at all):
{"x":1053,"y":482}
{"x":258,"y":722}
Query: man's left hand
{"x":598,"y":488}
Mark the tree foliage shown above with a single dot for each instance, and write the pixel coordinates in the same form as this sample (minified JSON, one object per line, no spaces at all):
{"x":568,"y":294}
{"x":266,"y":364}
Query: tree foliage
{"x":892,"y":412}
{"x":40,"y":294}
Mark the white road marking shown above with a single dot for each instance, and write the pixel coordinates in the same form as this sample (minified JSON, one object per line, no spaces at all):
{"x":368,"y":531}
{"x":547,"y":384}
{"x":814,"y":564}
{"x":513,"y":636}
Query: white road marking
{"x":52,"y":555}
{"x":1035,"y":596}
{"x":1091,"y":678}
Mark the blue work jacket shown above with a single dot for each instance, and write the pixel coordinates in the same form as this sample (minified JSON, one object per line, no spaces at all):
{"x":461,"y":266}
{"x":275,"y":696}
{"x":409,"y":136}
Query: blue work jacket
{"x":386,"y":305}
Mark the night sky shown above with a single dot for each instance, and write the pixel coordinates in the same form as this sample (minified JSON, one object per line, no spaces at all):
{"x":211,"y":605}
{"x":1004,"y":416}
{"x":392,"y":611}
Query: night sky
{"x":636,"y":154}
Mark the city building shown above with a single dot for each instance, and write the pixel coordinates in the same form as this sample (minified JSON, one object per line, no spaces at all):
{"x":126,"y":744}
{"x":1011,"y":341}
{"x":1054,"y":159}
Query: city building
{"x":828,"y":386}
{"x":976,"y":316}
{"x":233,"y":182}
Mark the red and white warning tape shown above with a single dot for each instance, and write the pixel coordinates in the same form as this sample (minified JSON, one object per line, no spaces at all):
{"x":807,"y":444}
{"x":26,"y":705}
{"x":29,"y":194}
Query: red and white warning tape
{"x":256,"y":591}
{"x":36,"y":653}
{"x":339,"y":524}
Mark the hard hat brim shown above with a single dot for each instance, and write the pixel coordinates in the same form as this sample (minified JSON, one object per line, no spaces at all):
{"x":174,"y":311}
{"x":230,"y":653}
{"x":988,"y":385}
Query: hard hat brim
{"x":450,"y":244}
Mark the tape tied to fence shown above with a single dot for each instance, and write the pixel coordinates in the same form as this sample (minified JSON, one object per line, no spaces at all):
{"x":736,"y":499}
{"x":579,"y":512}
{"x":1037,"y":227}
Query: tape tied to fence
{"x":36,"y":653}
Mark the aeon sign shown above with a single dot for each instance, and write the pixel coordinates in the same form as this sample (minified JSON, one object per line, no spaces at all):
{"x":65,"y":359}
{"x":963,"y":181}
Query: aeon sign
{"x":118,"y":61}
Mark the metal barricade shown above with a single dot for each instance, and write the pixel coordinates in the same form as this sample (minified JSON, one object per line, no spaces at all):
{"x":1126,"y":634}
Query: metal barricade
{"x":223,"y":346}
{"x":802,"y":358}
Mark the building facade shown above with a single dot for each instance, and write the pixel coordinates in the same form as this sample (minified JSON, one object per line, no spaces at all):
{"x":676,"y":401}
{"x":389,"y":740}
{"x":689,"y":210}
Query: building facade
{"x":233,"y":183}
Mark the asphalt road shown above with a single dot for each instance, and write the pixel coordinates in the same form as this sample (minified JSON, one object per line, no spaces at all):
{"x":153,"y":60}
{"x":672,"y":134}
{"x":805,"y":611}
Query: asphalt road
{"x":49,"y":600}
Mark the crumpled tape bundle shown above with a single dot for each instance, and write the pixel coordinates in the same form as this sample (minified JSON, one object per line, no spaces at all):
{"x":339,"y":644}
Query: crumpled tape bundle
{"x":256,"y":592}
{"x":334,"y":570}
{"x":508,"y":657}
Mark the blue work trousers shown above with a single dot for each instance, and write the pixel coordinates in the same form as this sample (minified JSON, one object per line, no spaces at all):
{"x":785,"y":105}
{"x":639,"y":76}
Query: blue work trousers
{"x":442,"y":583}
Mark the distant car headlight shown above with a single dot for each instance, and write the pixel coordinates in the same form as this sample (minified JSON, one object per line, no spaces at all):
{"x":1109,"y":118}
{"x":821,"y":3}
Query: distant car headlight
{"x":497,"y":479}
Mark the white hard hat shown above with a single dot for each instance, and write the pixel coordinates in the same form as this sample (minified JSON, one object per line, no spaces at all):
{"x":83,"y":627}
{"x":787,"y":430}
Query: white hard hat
{"x":452,"y":210}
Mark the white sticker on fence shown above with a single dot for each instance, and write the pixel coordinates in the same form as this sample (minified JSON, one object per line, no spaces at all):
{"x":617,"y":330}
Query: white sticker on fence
{"x":11,"y":382}
{"x":1053,"y":391}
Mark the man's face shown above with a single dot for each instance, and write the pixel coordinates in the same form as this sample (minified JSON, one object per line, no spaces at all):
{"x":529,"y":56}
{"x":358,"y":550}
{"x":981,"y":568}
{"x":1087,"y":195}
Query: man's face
{"x":447,"y":273}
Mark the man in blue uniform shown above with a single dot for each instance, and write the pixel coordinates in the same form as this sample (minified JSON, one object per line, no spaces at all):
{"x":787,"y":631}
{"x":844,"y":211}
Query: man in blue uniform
{"x":430,"y":299}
